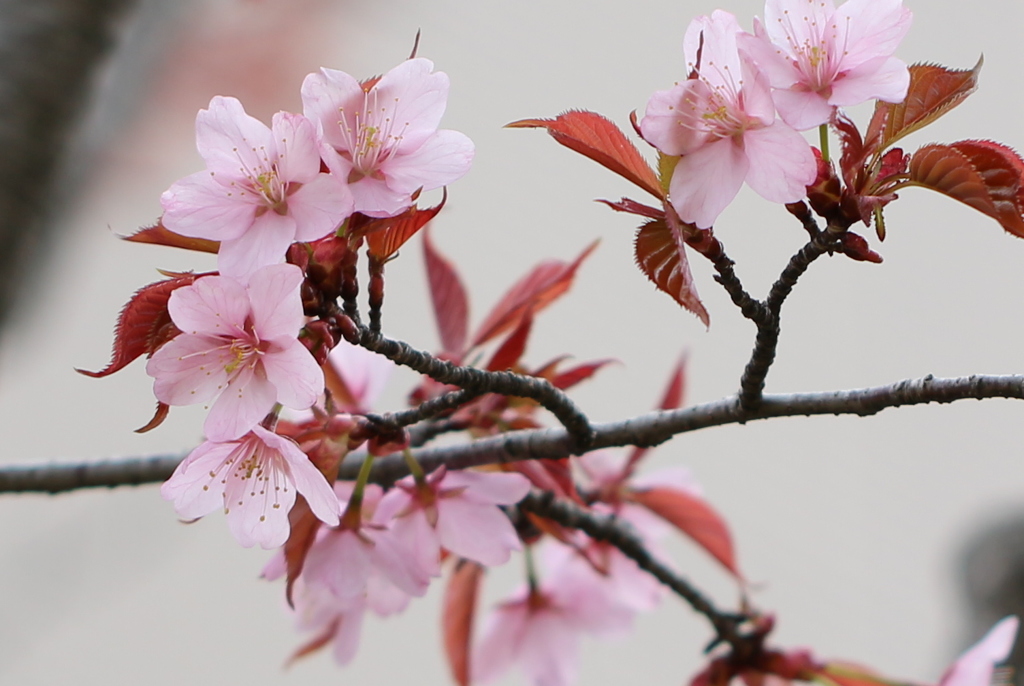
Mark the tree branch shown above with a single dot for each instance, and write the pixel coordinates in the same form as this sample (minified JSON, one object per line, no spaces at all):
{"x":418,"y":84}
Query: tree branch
{"x":646,"y":430}
{"x":611,"y":530}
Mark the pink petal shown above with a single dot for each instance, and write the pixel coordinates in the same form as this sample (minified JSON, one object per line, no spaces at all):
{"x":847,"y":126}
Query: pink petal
{"x":373,"y":197}
{"x":263,"y":244}
{"x":757,"y":93}
{"x":307,"y":479}
{"x":549,"y":651}
{"x":201,"y":207}
{"x":883,"y":78}
{"x":384,"y":598}
{"x":257,"y":499}
{"x":797,"y":22}
{"x":975,"y":667}
{"x":212,"y":305}
{"x":781,"y":163}
{"x":720,"y":64}
{"x":393,"y":560}
{"x":232,"y":143}
{"x":802,"y":109}
{"x":246,"y":400}
{"x":503,"y":632}
{"x":196,"y":488}
{"x":419,"y":540}
{"x":346,"y":640}
{"x":416,"y":99}
{"x":298,"y":152}
{"x":706,"y":181}
{"x":339,"y":560}
{"x":477,"y":532}
{"x":323,"y":94}
{"x":296,"y":376}
{"x":488,"y":488}
{"x":773,"y":60}
{"x":274,"y":296}
{"x":365,"y":373}
{"x":671,"y":120}
{"x":319,"y":207}
{"x":443,"y":158}
{"x":876,"y":28}
{"x":189,"y":369}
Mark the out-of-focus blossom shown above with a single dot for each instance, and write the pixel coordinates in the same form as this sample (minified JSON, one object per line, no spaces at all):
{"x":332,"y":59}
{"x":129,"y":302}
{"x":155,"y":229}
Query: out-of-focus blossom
{"x":723,"y":125}
{"x":364,"y":374}
{"x":255,"y":480}
{"x":975,"y":667}
{"x":383,"y":137}
{"x":239,"y":348}
{"x":457,"y":510}
{"x":540,"y":630}
{"x":818,"y":57}
{"x":344,"y":560}
{"x":262,"y":188}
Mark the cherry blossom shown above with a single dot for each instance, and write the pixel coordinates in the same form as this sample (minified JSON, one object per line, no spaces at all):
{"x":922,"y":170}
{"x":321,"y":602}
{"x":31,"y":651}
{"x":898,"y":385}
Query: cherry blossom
{"x":723,"y":125}
{"x":382,"y":136}
{"x":262,"y":189}
{"x":540,"y":630}
{"x":975,"y":666}
{"x":255,"y":480}
{"x":238,"y":348}
{"x":818,"y":57}
{"x":456,"y":510}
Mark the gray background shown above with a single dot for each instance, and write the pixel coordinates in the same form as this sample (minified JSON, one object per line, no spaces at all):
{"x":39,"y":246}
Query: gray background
{"x":848,"y":528}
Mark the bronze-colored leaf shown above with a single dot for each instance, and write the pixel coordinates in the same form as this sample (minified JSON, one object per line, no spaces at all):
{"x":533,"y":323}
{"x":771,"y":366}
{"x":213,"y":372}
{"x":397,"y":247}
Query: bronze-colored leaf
{"x":159,"y":235}
{"x":1003,"y":172}
{"x":598,"y":138}
{"x":385,"y":236}
{"x":448,"y":295}
{"x":933,"y":91}
{"x":661,"y":255}
{"x":458,"y":609}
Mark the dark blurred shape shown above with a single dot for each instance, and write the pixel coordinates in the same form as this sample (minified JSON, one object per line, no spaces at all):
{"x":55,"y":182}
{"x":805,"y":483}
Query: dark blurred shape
{"x":49,"y":54}
{"x":992,"y":577}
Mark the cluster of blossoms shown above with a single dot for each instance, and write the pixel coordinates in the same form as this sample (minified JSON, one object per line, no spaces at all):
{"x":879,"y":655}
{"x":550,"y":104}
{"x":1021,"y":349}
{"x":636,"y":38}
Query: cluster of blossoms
{"x":287,"y":210}
{"x":804,"y":61}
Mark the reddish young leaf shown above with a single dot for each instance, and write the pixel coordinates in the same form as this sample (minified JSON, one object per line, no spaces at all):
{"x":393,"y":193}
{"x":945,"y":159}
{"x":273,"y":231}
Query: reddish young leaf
{"x":531,"y":294}
{"x":143,"y":324}
{"x":451,"y":305}
{"x":958,"y":174}
{"x":1003,"y":171}
{"x":661,"y":255}
{"x":596,"y":137}
{"x":508,"y":354}
{"x":162,"y":410}
{"x":846,"y":674}
{"x":933,"y":91}
{"x":385,"y":236}
{"x":304,"y":525}
{"x":673,"y":398}
{"x":316,"y":643}
{"x":458,"y":609}
{"x":695,"y":518}
{"x":158,"y":235}
{"x":854,"y":152}
{"x":634,"y":207}
{"x":573,"y":376}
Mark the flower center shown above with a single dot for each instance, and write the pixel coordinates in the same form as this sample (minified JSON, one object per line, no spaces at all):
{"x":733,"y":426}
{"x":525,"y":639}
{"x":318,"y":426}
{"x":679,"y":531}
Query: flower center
{"x":370,"y":135}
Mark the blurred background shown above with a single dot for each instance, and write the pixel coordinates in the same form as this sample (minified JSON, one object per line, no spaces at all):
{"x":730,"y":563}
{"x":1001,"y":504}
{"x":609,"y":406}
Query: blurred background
{"x":861,"y":534}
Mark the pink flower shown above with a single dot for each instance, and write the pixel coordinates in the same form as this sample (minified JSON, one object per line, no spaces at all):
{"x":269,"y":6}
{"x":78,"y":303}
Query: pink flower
{"x":723,"y":125}
{"x":459,"y":512}
{"x":261,"y":191}
{"x":818,"y":57}
{"x":540,"y":630}
{"x":364,"y":374}
{"x":383,"y":138}
{"x":345,"y":560}
{"x":239,"y":348}
{"x":255,"y":480}
{"x":975,"y":667}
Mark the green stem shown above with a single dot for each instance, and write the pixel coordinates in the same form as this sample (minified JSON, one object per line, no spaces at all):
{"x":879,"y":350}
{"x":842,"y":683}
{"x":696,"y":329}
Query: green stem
{"x":531,"y":569}
{"x":414,"y":467}
{"x":352,"y":517}
{"x":823,"y":141}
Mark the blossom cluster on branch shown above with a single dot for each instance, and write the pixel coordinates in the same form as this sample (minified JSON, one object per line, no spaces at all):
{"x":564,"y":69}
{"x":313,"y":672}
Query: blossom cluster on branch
{"x":276,"y":345}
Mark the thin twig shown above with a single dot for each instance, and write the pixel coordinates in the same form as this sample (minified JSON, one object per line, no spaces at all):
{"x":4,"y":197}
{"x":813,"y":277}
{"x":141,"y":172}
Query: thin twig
{"x":646,"y":430}
{"x":611,"y":530}
{"x":425,"y":410}
{"x":768,"y":327}
{"x":479,"y":381}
